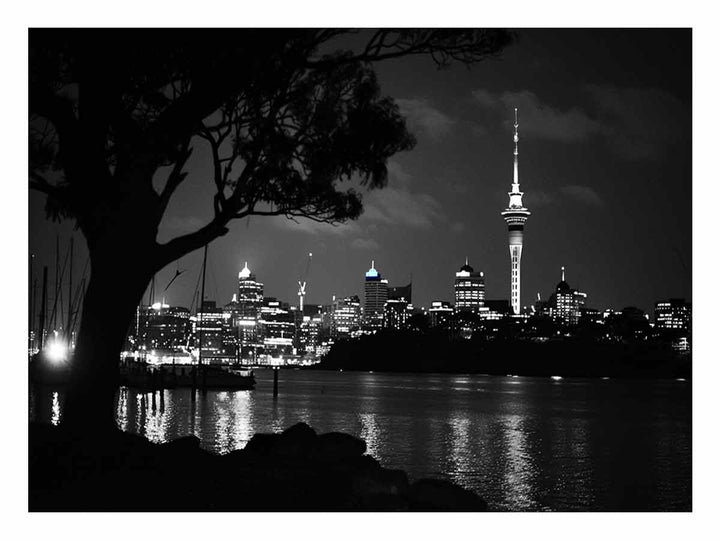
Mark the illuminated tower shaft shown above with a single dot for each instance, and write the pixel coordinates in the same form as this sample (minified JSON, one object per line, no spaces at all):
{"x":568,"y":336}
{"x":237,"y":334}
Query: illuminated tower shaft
{"x":515,"y":216}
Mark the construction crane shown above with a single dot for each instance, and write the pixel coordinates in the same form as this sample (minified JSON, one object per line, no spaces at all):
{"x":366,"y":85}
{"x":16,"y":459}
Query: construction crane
{"x":303,"y":283}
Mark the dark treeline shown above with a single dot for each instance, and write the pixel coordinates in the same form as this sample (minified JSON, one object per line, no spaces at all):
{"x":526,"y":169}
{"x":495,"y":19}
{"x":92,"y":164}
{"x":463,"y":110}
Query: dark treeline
{"x":407,"y":351}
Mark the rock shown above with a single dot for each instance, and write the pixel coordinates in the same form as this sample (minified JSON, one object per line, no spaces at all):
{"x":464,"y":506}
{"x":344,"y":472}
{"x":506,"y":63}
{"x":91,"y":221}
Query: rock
{"x":183,"y":445}
{"x":338,"y":446}
{"x":293,"y":470}
{"x":433,"y":494}
{"x":261,"y":443}
{"x":373,"y":481}
{"x":296,"y":441}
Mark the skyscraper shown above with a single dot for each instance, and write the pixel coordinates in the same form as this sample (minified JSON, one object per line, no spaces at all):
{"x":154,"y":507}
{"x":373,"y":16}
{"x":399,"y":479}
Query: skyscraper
{"x":515,"y":216}
{"x":249,"y":302}
{"x":565,"y":303}
{"x":469,"y":289}
{"x":376,"y":294}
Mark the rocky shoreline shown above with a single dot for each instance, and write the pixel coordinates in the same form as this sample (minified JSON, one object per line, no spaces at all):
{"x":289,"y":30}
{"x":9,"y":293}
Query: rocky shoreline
{"x":296,"y":470}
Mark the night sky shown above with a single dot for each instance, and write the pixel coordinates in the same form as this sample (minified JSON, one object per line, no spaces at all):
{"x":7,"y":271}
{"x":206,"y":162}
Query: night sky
{"x":605,"y":164}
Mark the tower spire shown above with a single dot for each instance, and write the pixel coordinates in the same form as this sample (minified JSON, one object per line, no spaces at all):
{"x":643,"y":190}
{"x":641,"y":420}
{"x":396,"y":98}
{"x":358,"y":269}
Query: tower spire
{"x":515,"y":216}
{"x":516,"y":138}
{"x":466,"y":260}
{"x":562,"y":269}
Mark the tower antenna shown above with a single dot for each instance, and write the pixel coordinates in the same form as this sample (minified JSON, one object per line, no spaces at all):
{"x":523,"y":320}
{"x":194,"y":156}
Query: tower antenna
{"x":515,"y":216}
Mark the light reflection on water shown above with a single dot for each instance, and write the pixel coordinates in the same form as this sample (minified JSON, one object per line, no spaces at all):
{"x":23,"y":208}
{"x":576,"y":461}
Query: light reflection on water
{"x":56,"y":413}
{"x":521,"y":443}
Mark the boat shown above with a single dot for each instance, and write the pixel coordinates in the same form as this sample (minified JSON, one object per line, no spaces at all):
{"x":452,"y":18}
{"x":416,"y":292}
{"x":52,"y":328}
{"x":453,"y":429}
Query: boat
{"x":206,"y":377}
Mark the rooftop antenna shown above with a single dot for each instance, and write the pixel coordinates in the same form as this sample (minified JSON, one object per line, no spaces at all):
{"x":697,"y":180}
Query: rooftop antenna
{"x":562,"y":268}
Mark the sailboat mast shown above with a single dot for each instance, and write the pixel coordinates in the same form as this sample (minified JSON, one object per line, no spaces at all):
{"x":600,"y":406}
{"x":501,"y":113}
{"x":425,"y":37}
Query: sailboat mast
{"x":69,"y":317}
{"x":43,"y":308}
{"x":57,"y":281}
{"x":202,"y":299}
{"x":31,"y":312}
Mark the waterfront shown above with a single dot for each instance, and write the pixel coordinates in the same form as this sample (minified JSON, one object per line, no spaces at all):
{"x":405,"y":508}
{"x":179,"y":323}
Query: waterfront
{"x":521,"y":443}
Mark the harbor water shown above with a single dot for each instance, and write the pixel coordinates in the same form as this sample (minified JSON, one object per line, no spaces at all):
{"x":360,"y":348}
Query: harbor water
{"x":522,"y":443}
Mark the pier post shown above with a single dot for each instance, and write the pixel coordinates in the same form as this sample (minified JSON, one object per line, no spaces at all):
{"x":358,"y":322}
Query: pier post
{"x":275,"y":382}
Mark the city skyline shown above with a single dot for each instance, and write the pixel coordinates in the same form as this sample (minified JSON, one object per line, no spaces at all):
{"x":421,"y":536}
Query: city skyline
{"x":609,"y":186}
{"x":306,"y":282}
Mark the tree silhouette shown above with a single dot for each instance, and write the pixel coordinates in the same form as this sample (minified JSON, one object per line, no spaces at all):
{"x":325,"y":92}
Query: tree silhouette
{"x":288,"y":115}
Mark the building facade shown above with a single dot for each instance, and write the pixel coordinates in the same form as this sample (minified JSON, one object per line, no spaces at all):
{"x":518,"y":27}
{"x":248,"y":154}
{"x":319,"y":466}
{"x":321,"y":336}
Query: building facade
{"x":440,"y":314}
{"x":249,"y":301}
{"x":469,"y":289}
{"x":214,"y":334}
{"x":673,"y":314}
{"x":276,"y":331}
{"x":566,"y":304}
{"x":376,"y":294}
{"x":345,"y":317}
{"x":162,"y":327}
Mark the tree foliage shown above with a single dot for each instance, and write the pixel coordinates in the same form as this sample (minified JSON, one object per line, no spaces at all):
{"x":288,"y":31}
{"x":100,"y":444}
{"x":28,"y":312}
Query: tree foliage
{"x":287,"y":115}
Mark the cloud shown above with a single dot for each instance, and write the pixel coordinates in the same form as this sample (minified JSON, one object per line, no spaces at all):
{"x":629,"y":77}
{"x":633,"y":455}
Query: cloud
{"x":365,"y":243}
{"x":397,"y":173}
{"x":582,"y":194}
{"x":399,"y":206}
{"x":635,"y":123}
{"x":541,"y":120}
{"x":423,"y":116}
{"x":535,"y":198}
{"x":457,"y":227}
{"x":641,"y":122}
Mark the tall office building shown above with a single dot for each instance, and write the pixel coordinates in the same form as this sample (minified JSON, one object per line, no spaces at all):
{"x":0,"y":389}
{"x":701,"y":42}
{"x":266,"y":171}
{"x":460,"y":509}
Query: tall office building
{"x":214,"y":333}
{"x":249,"y":301}
{"x":515,"y":216}
{"x":376,"y":294}
{"x":566,"y":304}
{"x":276,"y":330}
{"x":161,"y":326}
{"x":345,"y":317}
{"x":469,"y":289}
{"x":673,"y":314}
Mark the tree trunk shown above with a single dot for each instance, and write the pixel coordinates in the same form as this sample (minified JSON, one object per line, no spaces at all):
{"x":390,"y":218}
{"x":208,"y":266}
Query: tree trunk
{"x":117,"y":283}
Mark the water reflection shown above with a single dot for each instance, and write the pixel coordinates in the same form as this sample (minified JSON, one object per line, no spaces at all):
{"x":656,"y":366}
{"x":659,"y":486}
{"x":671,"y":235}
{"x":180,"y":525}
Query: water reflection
{"x":461,"y":455}
{"x":370,"y":433}
{"x":56,"y":412}
{"x":519,"y":466}
{"x":122,"y":409}
{"x":522,"y":443}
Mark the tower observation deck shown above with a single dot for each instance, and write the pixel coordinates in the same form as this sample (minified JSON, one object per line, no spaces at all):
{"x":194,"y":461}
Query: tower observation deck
{"x":515,"y":216}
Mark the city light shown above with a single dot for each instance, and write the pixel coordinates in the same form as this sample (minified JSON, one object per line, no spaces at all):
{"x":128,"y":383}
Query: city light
{"x":57,"y":352}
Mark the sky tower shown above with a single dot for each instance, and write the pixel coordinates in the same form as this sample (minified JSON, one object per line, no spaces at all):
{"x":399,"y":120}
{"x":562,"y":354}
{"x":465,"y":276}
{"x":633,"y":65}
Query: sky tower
{"x":515,"y":216}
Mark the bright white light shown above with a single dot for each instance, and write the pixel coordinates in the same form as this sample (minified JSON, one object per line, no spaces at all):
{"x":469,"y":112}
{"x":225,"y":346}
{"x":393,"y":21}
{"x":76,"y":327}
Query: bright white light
{"x":57,"y":352}
{"x":556,"y":378}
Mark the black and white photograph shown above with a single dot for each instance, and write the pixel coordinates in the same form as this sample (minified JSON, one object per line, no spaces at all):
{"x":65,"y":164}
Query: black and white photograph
{"x":359,"y":269}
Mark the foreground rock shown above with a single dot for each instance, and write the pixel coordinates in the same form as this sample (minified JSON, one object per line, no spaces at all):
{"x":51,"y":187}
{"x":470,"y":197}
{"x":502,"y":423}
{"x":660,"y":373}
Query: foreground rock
{"x":294,"y":470}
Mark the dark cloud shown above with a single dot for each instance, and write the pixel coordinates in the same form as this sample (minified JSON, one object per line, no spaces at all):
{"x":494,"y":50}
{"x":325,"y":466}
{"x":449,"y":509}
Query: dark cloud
{"x":582,"y":194}
{"x":636,"y":123}
{"x":365,"y":243}
{"x":423,"y":116}
{"x":640,"y":123}
{"x":539,"y":119}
